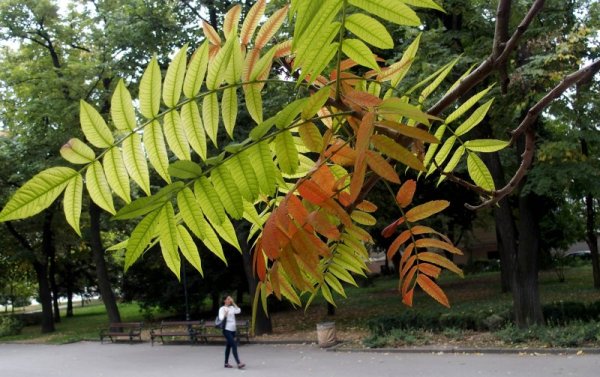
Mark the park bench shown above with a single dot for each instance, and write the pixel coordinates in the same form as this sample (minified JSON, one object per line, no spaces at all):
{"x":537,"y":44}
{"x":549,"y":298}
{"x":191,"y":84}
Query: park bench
{"x":171,"y":330}
{"x":129,"y":330}
{"x":243,"y":331}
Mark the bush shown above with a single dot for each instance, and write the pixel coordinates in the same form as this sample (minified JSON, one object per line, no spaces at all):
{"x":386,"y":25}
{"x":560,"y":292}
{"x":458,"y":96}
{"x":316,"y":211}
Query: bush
{"x":575,"y":334}
{"x":10,"y":325}
{"x":564,"y":312}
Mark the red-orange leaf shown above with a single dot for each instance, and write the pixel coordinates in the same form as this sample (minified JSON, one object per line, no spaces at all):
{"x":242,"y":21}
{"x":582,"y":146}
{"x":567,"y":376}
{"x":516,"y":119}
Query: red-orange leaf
{"x":325,"y":179}
{"x":409,"y":263}
{"x":312,"y":192}
{"x":395,"y":246}
{"x":323,"y":226}
{"x":432,"y":289}
{"x":270,"y":27}
{"x":407,"y":281}
{"x":365,"y":130}
{"x":406,"y":254}
{"x":347,"y":64}
{"x":290,"y":265}
{"x":425,"y":210}
{"x":407,"y":298}
{"x":260,"y":267}
{"x":366,"y":206}
{"x":358,"y":178}
{"x":381,"y":167}
{"x":340,"y":153}
{"x":251,"y":21}
{"x":274,"y":278}
{"x":283,"y":49}
{"x":430,"y":269}
{"x":335,"y":209}
{"x":431,"y":242}
{"x":363,"y":99}
{"x":406,"y":193}
{"x":391,"y":229}
{"x":296,"y":209}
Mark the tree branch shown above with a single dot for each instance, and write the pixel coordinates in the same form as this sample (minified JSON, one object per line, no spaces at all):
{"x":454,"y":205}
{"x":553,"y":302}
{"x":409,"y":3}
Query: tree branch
{"x":526,"y":127}
{"x":500,"y":37}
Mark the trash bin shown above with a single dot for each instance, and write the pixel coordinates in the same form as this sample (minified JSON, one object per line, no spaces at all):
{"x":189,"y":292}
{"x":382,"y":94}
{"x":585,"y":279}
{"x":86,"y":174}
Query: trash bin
{"x":326,"y":334}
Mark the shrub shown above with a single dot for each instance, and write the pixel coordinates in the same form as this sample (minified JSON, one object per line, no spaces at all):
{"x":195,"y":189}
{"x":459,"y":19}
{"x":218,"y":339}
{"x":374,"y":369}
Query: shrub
{"x":564,"y":312}
{"x":10,"y":325}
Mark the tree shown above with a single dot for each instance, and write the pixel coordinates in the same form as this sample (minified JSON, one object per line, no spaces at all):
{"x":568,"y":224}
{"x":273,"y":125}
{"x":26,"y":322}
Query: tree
{"x":305,"y":195}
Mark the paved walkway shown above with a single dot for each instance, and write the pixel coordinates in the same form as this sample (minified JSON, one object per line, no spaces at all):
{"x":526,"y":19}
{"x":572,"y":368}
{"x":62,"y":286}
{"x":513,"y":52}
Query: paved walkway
{"x":92,"y":359}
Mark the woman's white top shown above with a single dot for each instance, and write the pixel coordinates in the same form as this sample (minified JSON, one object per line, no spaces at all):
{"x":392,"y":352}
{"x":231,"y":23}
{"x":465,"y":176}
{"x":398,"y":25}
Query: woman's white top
{"x":231,"y":312}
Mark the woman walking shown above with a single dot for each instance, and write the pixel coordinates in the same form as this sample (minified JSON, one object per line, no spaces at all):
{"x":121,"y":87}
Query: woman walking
{"x":227,"y":314}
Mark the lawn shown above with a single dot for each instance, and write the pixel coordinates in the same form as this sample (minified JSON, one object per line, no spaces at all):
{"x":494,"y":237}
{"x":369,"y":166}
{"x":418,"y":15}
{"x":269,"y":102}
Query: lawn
{"x":475,"y":293}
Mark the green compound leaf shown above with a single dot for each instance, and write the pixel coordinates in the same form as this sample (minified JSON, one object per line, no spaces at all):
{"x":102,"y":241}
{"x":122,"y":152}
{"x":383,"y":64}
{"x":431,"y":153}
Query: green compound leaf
{"x":209,"y":200}
{"x":174,"y":78}
{"x":157,"y":151}
{"x":358,"y":51}
{"x":176,"y":136}
{"x":150,"y":90}
{"x":72,"y":202}
{"x":168,"y":235}
{"x":121,"y":108}
{"x":466,"y":106}
{"x":193,"y":128}
{"x":287,"y":154}
{"x":243,"y":175}
{"x":135,"y":161}
{"x":141,"y":236}
{"x":390,"y":10}
{"x":116,"y":173}
{"x":486,"y":145}
{"x":396,"y":151}
{"x":369,"y":30}
{"x":188,"y":248}
{"x":185,"y":170}
{"x":77,"y":152}
{"x":210,"y":114}
{"x":98,"y":187}
{"x":37,"y":193}
{"x":94,"y":127}
{"x":479,"y":173}
{"x":474,"y":119}
{"x":196,"y":71}
{"x":229,"y":109}
{"x":228,"y":192}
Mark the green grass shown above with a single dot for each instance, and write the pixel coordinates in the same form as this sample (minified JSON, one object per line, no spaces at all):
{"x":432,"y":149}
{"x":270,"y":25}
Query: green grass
{"x":474,"y":293}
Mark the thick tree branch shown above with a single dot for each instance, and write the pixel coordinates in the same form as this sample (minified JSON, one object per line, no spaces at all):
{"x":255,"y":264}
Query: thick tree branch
{"x":500,"y":37}
{"x":526,"y":127}
{"x":488,"y":65}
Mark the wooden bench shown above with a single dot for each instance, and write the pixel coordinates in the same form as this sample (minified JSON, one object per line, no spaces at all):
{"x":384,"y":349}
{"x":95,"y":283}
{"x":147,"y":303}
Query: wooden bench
{"x":129,"y":330}
{"x":211,"y":331}
{"x":188,"y":330}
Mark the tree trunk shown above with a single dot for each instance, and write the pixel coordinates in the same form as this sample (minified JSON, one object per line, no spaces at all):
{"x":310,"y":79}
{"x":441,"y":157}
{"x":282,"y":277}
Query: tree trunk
{"x":528,"y":308}
{"x":69,"y":288}
{"x":52,"y":279}
{"x":41,"y":272}
{"x":108,"y":296}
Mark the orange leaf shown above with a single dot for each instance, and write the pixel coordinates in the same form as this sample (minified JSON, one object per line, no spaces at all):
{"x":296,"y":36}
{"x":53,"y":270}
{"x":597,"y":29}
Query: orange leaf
{"x":412,"y":132}
{"x":406,"y":193}
{"x":388,"y":72}
{"x":283,"y":49}
{"x":407,"y":299}
{"x":340,"y":153}
{"x":391,"y":229}
{"x":408,"y":280}
{"x":270,"y":27}
{"x":381,"y":167}
{"x":358,"y":178}
{"x":395,"y":246}
{"x":304,"y":249}
{"x":409,"y":263}
{"x":365,"y":131}
{"x":290,"y":265}
{"x":251,"y":60}
{"x":335,"y":209}
{"x":441,"y":261}
{"x":296,"y":209}
{"x":274,"y":278}
{"x":366,"y":206}
{"x":325,"y":179}
{"x":251,"y":21}
{"x":323,"y":226}
{"x":213,"y":50}
{"x":422,"y":229}
{"x":430,"y":269}
{"x":312,"y":192}
{"x":363,"y":99}
{"x":305,"y":242}
{"x":425,"y":210}
{"x":231,"y":19}
{"x":344,"y":198}
{"x":406,"y":254}
{"x":347,"y":64}
{"x":432,"y":289}
{"x":431,"y":242}
{"x":211,"y":34}
{"x":260,"y":267}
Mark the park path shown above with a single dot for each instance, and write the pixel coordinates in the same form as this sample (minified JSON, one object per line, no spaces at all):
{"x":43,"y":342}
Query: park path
{"x":92,"y":359}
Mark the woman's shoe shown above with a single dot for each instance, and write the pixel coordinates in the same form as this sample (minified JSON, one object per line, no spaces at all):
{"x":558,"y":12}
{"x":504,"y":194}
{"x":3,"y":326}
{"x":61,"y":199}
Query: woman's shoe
{"x":241,"y":365}
{"x":228,"y":366}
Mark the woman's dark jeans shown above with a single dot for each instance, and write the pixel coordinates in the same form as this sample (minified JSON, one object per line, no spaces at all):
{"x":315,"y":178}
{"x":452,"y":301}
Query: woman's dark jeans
{"x":231,"y":346}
